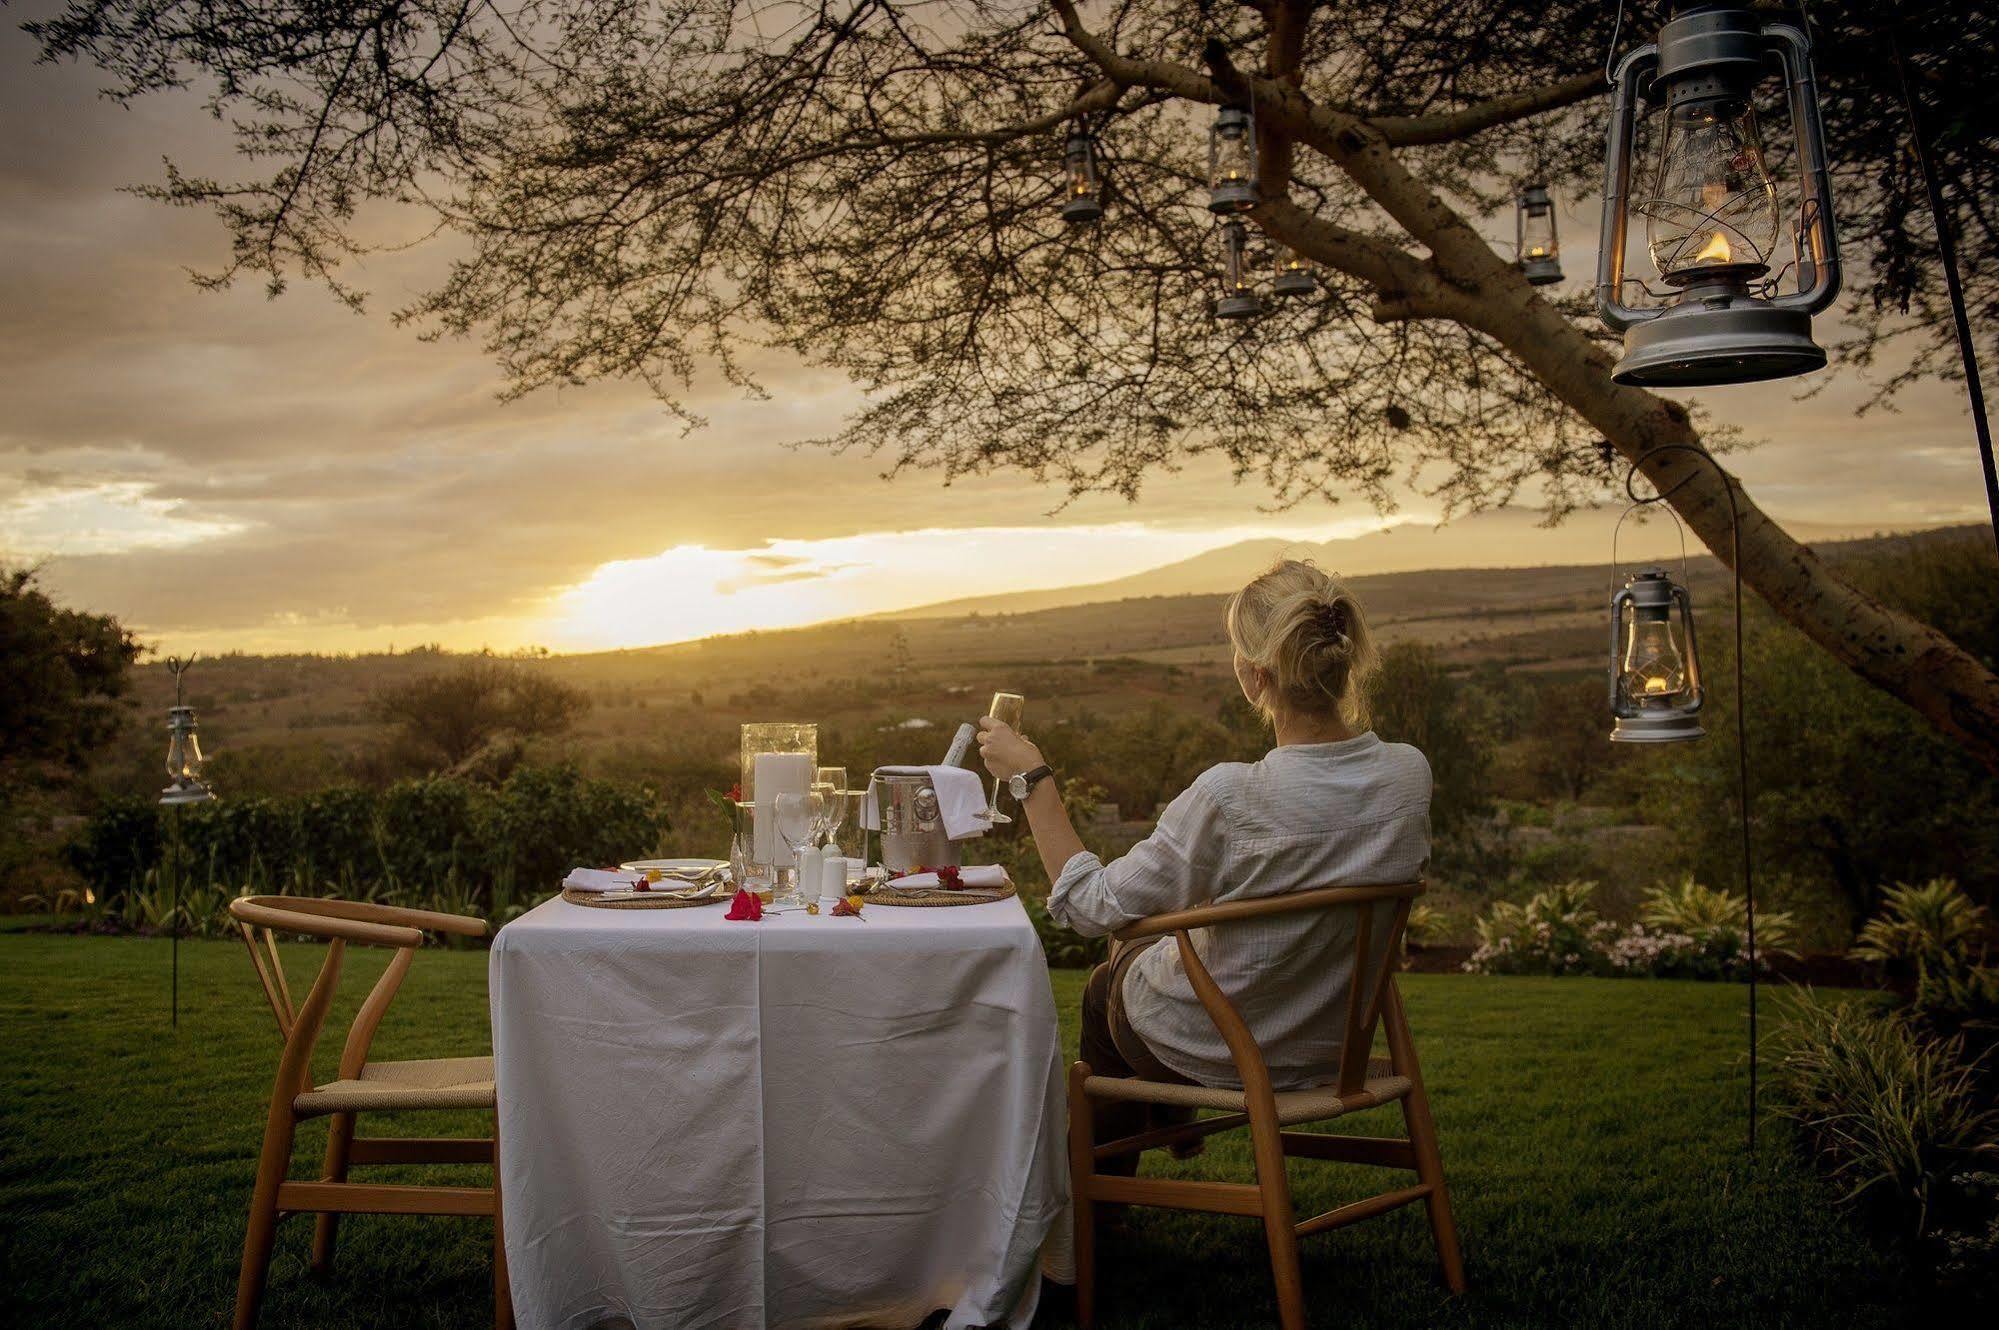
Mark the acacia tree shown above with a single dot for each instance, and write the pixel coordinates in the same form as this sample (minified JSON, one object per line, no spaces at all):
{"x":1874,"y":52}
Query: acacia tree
{"x":647,"y":186}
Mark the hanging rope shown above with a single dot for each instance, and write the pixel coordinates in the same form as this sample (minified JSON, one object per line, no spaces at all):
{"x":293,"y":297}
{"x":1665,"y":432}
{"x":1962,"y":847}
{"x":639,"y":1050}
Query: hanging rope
{"x":1741,"y":726}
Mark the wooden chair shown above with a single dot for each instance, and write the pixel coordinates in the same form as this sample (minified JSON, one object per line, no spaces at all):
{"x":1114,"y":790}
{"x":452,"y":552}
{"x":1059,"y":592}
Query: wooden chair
{"x":1363,"y":1082}
{"x":361,"y":1087}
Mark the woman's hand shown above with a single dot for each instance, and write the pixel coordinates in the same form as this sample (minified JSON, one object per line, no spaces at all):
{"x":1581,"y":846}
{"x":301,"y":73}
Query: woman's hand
{"x":1003,"y":751}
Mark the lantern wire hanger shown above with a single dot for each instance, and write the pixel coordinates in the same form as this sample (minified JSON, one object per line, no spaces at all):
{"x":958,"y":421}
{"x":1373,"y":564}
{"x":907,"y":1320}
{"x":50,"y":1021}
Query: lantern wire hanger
{"x":1631,"y":474}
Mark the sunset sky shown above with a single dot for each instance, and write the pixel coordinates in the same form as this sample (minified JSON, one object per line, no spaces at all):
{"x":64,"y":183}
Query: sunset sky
{"x":227,"y":471}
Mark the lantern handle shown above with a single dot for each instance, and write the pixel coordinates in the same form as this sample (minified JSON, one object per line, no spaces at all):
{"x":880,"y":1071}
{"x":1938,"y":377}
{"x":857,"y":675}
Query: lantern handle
{"x":1794,"y":53}
{"x":1637,"y":503}
{"x":1617,"y":315}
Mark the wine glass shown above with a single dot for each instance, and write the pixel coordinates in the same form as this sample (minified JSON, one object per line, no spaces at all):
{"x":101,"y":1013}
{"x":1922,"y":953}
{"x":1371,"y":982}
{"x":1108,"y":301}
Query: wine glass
{"x":1006,"y":709}
{"x":832,"y":783}
{"x":799,"y":815}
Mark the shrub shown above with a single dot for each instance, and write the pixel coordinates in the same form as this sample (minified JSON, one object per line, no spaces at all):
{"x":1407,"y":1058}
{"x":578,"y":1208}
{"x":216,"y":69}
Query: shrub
{"x":1892,"y":1115}
{"x":1556,"y":932}
{"x":433,"y":839}
{"x":1712,"y":917}
{"x":1930,"y":924}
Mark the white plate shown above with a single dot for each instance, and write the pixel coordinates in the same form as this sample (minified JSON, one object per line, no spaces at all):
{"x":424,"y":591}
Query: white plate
{"x":668,"y":865}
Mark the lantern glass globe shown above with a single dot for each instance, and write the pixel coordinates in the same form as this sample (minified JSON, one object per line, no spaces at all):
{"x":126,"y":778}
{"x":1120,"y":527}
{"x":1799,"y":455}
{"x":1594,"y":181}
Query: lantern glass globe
{"x":1711,"y":213}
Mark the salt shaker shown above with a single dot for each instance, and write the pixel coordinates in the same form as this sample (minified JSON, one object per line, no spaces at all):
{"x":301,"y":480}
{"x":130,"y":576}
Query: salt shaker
{"x":832,"y":880}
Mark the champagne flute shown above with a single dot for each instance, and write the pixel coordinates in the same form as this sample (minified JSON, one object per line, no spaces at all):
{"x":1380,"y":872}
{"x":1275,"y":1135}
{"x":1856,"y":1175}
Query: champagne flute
{"x":1006,"y":709}
{"x":832,"y":783}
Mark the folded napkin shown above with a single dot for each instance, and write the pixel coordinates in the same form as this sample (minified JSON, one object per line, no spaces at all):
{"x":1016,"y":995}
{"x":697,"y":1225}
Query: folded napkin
{"x":988,"y":876}
{"x":961,"y":800}
{"x":601,"y":879}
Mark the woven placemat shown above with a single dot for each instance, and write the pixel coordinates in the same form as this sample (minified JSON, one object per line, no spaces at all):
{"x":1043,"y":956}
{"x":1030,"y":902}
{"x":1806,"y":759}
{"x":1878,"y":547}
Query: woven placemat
{"x":593,"y":899}
{"x":941,"y":896}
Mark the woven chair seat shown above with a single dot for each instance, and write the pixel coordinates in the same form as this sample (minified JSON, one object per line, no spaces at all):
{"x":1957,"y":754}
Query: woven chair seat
{"x":383,"y":1086}
{"x":1293,"y":1106}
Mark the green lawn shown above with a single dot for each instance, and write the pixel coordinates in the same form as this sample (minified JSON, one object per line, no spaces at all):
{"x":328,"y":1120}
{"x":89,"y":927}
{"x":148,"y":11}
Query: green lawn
{"x":1592,"y":1131}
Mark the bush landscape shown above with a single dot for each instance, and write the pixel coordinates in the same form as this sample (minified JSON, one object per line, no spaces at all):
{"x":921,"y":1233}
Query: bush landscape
{"x":471,"y":783}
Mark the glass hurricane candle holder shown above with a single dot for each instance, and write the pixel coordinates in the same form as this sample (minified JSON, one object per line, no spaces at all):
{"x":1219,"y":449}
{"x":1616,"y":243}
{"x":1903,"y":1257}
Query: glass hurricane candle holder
{"x":777,"y":757}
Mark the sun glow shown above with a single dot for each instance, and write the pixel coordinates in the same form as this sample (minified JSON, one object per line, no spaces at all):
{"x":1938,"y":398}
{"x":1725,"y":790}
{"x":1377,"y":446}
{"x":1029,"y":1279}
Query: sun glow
{"x":692,"y":591}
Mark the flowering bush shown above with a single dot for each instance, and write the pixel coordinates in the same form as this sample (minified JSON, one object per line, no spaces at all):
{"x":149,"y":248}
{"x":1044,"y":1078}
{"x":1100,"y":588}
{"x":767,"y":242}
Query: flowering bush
{"x":1556,"y":932}
{"x":1688,"y":932}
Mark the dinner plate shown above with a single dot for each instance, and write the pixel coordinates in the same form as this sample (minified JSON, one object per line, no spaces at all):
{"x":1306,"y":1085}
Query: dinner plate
{"x":668,"y":865}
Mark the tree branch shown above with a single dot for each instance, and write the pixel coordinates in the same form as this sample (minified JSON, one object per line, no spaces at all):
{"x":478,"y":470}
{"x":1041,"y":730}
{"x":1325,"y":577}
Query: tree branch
{"x":1410,"y":130}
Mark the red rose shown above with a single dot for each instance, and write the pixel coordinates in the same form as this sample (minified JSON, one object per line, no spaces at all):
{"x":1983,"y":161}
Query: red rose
{"x":950,"y":878}
{"x":736,"y":793}
{"x":746,"y":905}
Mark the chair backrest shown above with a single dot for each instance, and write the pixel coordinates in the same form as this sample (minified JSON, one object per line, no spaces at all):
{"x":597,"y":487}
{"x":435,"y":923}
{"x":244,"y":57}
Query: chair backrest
{"x":1368,"y":983}
{"x":261,"y":918}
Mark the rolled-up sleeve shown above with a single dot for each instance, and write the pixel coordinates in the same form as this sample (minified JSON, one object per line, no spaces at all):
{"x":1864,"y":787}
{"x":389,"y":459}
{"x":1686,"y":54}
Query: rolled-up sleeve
{"x":1178,"y":866}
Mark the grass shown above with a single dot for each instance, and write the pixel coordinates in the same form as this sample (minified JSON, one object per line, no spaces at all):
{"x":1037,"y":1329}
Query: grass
{"x":1592,"y":1130}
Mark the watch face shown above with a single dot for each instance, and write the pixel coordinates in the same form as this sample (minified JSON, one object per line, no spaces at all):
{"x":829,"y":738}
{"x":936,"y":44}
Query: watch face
{"x":1018,"y":784}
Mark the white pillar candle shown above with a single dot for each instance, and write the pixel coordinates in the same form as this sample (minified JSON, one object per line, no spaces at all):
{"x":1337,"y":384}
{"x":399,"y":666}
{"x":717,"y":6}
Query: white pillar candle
{"x":775,"y":774}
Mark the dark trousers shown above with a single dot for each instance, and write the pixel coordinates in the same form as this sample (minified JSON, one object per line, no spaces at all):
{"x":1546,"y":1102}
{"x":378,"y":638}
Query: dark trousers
{"x":1113,"y":1048}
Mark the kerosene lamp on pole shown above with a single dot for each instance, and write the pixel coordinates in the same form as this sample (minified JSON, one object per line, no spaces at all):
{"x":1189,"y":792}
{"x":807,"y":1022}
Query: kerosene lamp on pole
{"x":184,"y":786}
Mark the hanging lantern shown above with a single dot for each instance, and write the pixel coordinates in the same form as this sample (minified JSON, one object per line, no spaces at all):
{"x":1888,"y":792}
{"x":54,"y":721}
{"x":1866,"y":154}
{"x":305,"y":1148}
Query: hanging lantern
{"x":1232,"y":161}
{"x":184,"y":783}
{"x":1239,"y":299}
{"x":1710,"y":207}
{"x":183,"y":760}
{"x":1655,"y":678}
{"x":1294,"y":276}
{"x":1081,"y":201}
{"x":1535,"y":246}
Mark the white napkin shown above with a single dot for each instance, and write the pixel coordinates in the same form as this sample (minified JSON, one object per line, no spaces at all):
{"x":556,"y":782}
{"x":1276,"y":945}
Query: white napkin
{"x":601,"y":879}
{"x":989,"y":876}
{"x":961,"y":800}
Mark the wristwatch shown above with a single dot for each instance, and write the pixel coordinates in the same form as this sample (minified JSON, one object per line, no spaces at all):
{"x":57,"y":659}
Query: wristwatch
{"x":1022,"y":783}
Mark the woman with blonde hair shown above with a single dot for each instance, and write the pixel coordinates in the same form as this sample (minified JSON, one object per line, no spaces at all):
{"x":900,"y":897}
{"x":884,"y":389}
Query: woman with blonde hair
{"x":1329,"y":805}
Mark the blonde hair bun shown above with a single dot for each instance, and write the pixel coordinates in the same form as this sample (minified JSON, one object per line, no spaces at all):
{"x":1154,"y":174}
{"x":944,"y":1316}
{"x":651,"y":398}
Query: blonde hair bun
{"x":1302,"y":627}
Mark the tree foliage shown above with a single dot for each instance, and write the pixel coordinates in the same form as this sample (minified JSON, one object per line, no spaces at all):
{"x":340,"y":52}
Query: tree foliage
{"x":66,"y":673}
{"x":649,"y":187}
{"x":448,"y":717}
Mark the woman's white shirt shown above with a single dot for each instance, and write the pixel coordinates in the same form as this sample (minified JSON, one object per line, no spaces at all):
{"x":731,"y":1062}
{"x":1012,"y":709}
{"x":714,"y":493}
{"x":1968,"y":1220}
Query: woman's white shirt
{"x":1349,"y":813}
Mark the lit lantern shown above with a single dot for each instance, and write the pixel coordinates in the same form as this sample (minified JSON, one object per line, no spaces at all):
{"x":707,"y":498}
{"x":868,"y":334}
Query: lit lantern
{"x":1232,"y":161}
{"x":183,"y":760}
{"x":1294,"y":276}
{"x":1082,"y":188}
{"x":184,"y":783}
{"x":1655,"y":678}
{"x":1535,"y":246}
{"x":1239,"y":299}
{"x":1710,"y":207}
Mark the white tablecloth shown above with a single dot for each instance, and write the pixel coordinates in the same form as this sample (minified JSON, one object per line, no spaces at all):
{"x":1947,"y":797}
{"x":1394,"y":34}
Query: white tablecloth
{"x":799,"y":1122}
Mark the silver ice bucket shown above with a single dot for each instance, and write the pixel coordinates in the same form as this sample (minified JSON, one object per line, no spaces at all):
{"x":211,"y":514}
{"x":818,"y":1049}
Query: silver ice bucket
{"x":912,"y":830}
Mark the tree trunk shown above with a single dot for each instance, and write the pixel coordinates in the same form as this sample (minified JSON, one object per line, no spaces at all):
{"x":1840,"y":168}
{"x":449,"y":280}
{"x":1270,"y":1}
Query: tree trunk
{"x":1898,"y":654}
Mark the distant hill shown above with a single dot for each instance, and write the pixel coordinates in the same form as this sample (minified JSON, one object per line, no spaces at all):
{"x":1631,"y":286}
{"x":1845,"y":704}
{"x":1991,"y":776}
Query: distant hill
{"x":1469,"y":542}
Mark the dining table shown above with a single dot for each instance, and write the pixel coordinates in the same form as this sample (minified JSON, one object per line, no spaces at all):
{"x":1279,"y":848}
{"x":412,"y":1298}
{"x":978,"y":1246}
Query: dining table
{"x":803,"y":1120}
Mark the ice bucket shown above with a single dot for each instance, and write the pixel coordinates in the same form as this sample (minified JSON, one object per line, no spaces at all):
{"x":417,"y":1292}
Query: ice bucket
{"x":912,"y":832}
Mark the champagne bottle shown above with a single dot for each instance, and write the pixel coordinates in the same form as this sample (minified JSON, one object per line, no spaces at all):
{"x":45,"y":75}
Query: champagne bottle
{"x":961,"y":744}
